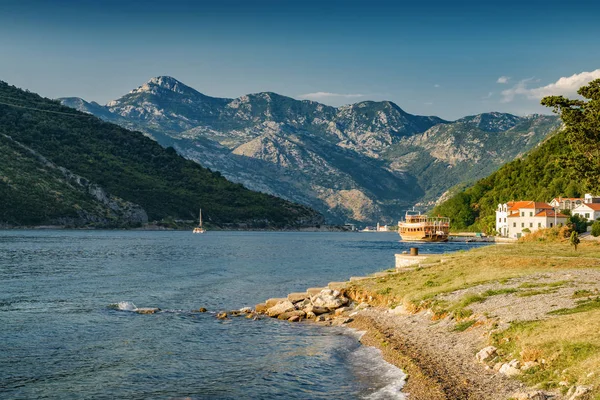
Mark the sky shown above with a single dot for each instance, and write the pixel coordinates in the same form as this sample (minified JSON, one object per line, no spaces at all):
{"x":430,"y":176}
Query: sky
{"x":444,"y":58}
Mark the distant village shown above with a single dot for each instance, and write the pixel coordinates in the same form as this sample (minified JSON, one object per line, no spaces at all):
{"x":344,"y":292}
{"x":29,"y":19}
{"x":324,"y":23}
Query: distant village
{"x":378,"y":228}
{"x":516,"y":218}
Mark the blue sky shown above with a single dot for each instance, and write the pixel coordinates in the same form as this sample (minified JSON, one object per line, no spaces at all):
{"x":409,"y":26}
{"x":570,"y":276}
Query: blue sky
{"x":443,"y":58}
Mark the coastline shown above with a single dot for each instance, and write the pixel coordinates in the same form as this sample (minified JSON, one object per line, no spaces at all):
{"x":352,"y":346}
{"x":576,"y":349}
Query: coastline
{"x":435,"y":320}
{"x":436,"y":369}
{"x":151,"y":228}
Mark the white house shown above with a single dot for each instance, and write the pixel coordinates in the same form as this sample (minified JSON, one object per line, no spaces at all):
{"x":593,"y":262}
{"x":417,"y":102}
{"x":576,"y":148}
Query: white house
{"x":589,"y":211}
{"x":570,"y":203}
{"x":515,"y":216}
{"x":566,"y":203}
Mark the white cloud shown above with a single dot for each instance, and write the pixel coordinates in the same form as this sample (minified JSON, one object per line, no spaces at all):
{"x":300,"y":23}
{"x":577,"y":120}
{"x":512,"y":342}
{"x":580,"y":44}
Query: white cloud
{"x":566,"y":86}
{"x":329,"y":95}
{"x":503,"y":79}
{"x":436,"y":85}
{"x":520,"y":88}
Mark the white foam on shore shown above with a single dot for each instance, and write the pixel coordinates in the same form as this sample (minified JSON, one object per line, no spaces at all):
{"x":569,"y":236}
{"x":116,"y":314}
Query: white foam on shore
{"x":374,"y":367}
{"x":124,"y":306}
{"x":384,"y":378}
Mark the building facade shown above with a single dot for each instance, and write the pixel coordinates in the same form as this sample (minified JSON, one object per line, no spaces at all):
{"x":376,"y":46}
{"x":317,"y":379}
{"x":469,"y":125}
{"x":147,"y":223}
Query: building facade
{"x":589,"y":211}
{"x":570,"y":203}
{"x":515,"y":218}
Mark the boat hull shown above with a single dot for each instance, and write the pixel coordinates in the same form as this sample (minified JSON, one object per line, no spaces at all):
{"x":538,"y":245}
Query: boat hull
{"x":432,"y":239}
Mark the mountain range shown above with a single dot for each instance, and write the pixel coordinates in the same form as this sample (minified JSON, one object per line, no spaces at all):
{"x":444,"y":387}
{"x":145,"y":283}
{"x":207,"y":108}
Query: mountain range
{"x":62,"y":167}
{"x":362,"y":162}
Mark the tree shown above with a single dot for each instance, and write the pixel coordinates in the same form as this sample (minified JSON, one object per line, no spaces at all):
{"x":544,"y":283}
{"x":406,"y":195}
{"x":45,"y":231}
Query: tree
{"x":596,"y":229}
{"x":574,"y":239}
{"x":582,"y":127}
{"x":579,"y":223}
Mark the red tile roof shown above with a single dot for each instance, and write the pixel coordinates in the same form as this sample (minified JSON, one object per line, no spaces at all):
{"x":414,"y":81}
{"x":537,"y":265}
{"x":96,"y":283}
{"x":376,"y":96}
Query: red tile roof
{"x":593,"y":206}
{"x":550,"y":213}
{"x":517,"y":205}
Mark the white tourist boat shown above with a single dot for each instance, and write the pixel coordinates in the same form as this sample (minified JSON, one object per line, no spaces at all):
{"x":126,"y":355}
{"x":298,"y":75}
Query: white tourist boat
{"x":422,"y":228}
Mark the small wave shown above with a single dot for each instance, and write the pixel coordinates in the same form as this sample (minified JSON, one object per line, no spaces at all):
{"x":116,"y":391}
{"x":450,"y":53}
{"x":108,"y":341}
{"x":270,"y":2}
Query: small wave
{"x":385,"y":378}
{"x":123,"y":306}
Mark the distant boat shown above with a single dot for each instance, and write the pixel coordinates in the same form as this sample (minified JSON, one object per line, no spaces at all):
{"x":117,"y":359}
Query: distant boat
{"x":421,"y":228}
{"x":199,"y":228}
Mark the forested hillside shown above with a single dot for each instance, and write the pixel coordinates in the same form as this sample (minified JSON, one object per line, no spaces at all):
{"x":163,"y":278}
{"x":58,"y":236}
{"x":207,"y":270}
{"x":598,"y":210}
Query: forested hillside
{"x":55,"y":160}
{"x":566,"y":164}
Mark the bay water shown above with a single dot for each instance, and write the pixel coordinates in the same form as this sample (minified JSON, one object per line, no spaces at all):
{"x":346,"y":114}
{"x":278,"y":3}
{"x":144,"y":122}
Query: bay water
{"x":67,"y":332}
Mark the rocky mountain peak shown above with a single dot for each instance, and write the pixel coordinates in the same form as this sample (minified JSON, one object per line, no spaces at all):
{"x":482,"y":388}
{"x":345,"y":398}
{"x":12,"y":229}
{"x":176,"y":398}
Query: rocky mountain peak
{"x":156,"y":84}
{"x":492,"y":121}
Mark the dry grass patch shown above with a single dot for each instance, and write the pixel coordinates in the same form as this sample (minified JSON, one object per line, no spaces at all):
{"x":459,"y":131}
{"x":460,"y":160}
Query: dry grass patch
{"x":496,"y":263}
{"x":567,"y":349}
{"x":565,"y":346}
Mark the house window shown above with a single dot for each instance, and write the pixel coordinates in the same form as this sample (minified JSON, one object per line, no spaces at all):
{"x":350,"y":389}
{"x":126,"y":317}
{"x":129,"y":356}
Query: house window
{"x":522,"y":213}
{"x":522,"y":224}
{"x":504,"y":219}
{"x":587,"y":215}
{"x":539,"y":224}
{"x":550,"y":224}
{"x":530,"y":213}
{"x":531,"y":224}
{"x":514,"y":224}
{"x":499,"y":219}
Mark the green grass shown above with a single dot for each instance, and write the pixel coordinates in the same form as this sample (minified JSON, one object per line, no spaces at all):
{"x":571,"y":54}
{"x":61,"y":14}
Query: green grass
{"x":567,"y":341}
{"x":470,"y":299}
{"x":582,"y":306}
{"x":582,"y":293}
{"x":530,"y":285}
{"x":463,"y":326}
{"x":496,"y":292}
{"x":529,"y":293}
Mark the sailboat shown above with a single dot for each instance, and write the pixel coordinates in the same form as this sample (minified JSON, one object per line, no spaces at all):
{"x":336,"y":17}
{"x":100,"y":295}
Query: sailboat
{"x":199,"y":228}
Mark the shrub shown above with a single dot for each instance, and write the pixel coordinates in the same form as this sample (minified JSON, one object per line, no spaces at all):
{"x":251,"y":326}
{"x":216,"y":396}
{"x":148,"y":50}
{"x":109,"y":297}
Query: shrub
{"x":596,"y":228}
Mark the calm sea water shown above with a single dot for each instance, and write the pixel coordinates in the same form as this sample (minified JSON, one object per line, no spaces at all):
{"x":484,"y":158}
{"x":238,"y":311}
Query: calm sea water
{"x":62,"y":338}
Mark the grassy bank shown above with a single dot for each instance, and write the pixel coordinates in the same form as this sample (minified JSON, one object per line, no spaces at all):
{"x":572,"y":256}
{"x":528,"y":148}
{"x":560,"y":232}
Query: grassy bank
{"x":536,"y":302}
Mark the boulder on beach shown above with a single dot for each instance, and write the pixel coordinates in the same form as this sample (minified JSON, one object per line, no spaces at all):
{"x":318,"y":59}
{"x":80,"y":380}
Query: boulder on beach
{"x":222,"y":315}
{"x":330,"y":299}
{"x":272,"y":302}
{"x":289,"y":314}
{"x":260,"y":308}
{"x":318,"y":310}
{"x":280,"y":308}
{"x":511,"y":368}
{"x":246,"y":310}
{"x":486,"y":354}
{"x":146,"y":310}
{"x":342,"y":310}
{"x":295,"y":318}
{"x":297,"y":297}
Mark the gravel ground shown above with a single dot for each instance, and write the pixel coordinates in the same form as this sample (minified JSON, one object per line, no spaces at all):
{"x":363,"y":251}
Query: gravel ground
{"x":440,"y":362}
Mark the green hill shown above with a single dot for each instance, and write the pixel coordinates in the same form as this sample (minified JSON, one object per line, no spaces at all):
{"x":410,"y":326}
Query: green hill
{"x":61,"y":166}
{"x":566,"y":164}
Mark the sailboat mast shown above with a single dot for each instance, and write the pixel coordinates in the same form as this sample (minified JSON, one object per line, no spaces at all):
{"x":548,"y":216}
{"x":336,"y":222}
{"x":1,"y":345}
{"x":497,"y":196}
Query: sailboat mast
{"x":200,"y":217}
